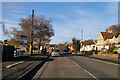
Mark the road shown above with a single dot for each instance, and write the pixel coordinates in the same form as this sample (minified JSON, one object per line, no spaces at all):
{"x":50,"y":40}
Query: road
{"x":16,"y":69}
{"x":78,"y":67}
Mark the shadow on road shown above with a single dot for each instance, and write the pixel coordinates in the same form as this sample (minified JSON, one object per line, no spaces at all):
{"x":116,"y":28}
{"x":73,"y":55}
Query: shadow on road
{"x":29,"y":58}
{"x":50,"y":59}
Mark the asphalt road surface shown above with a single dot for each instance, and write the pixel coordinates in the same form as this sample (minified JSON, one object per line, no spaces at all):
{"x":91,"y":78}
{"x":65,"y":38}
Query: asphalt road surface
{"x":13,"y":70}
{"x":79,"y":67}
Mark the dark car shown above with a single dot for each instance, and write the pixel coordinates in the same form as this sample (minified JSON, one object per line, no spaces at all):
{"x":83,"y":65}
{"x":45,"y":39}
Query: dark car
{"x":55,"y":52}
{"x":65,"y":51}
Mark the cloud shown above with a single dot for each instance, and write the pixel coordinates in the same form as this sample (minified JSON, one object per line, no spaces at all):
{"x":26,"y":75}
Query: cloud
{"x":91,"y":26}
{"x":13,"y":6}
{"x":17,"y":11}
{"x":83,"y":12}
{"x":60,"y":16}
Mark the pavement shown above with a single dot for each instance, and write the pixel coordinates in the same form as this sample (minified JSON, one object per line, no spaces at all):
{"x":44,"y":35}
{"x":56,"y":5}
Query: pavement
{"x":77,"y":67}
{"x":105,"y":57}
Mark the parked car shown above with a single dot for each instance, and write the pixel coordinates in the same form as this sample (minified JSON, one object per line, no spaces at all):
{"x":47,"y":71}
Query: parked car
{"x":104,"y":49}
{"x":65,"y":51}
{"x":19,"y":52}
{"x":73,"y":52}
{"x":55,"y":52}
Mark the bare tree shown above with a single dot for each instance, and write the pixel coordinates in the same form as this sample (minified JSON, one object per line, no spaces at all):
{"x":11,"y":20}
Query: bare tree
{"x":42,"y":30}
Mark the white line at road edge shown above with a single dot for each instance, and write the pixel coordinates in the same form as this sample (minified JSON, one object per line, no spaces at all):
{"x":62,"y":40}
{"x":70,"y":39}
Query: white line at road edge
{"x":101,"y":61}
{"x":90,"y":74}
{"x":40,"y":71}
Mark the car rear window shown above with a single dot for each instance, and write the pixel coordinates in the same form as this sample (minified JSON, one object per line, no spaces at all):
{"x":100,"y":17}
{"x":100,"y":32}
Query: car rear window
{"x":56,"y":50}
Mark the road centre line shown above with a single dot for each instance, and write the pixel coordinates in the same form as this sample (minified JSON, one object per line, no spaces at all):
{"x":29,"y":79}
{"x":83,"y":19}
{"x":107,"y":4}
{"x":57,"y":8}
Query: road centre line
{"x":101,"y":61}
{"x":75,"y":63}
{"x":91,"y":74}
{"x":86,"y":71}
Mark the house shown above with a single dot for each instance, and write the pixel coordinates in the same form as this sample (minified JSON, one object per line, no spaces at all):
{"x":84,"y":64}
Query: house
{"x":88,"y":45}
{"x":70,"y":46}
{"x":106,"y":39}
{"x":116,"y":40}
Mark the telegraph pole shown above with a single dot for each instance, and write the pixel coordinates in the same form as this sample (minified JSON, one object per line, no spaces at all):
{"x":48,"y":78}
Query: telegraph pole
{"x":32,"y":33}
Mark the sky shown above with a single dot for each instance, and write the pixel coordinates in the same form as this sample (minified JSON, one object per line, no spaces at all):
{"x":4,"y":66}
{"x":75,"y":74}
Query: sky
{"x":68,"y":18}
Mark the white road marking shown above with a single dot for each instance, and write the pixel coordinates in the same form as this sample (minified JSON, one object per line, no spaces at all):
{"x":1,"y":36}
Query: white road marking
{"x":102,"y":61}
{"x":86,"y":71}
{"x":40,"y":71}
{"x":91,"y":74}
{"x":14,"y":64}
{"x":75,"y":63}
{"x":26,"y":72}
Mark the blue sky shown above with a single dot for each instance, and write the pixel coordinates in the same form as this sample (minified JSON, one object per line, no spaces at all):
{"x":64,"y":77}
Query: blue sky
{"x":68,"y":18}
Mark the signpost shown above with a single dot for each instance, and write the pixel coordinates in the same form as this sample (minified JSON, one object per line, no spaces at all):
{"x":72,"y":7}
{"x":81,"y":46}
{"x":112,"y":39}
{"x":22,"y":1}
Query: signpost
{"x":23,"y":40}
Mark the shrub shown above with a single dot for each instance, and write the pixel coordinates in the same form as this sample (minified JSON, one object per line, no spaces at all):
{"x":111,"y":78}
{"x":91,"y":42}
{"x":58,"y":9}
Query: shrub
{"x":115,"y":50}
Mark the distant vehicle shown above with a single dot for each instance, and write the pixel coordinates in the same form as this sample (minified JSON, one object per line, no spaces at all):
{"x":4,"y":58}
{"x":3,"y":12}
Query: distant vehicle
{"x":104,"y":49}
{"x":19,"y":53}
{"x":73,"y":52}
{"x":55,"y":52}
{"x":65,"y":51}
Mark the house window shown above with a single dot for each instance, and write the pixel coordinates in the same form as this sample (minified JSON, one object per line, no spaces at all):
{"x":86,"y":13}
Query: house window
{"x":101,"y":42}
{"x":119,"y":39}
{"x":114,"y":40}
{"x":98,"y":42}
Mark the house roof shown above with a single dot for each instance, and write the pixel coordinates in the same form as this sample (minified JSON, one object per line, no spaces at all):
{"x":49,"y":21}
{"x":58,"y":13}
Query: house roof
{"x":116,"y":34}
{"x":71,"y":44}
{"x":88,"y":42}
{"x":107,"y":35}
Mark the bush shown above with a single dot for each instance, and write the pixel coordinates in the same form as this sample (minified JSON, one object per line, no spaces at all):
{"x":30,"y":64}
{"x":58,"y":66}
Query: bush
{"x":27,"y":49}
{"x":113,"y":49}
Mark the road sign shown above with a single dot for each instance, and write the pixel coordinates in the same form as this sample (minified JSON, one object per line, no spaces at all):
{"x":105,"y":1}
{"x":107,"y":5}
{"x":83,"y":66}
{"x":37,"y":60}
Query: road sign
{"x":23,"y":40}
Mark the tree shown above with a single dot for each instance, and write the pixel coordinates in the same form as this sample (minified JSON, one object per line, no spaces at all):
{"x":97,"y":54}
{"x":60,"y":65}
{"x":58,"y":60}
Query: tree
{"x":76,"y":44}
{"x":63,"y":46}
{"x":67,"y":48}
{"x":115,"y":28}
{"x":42,"y":30}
